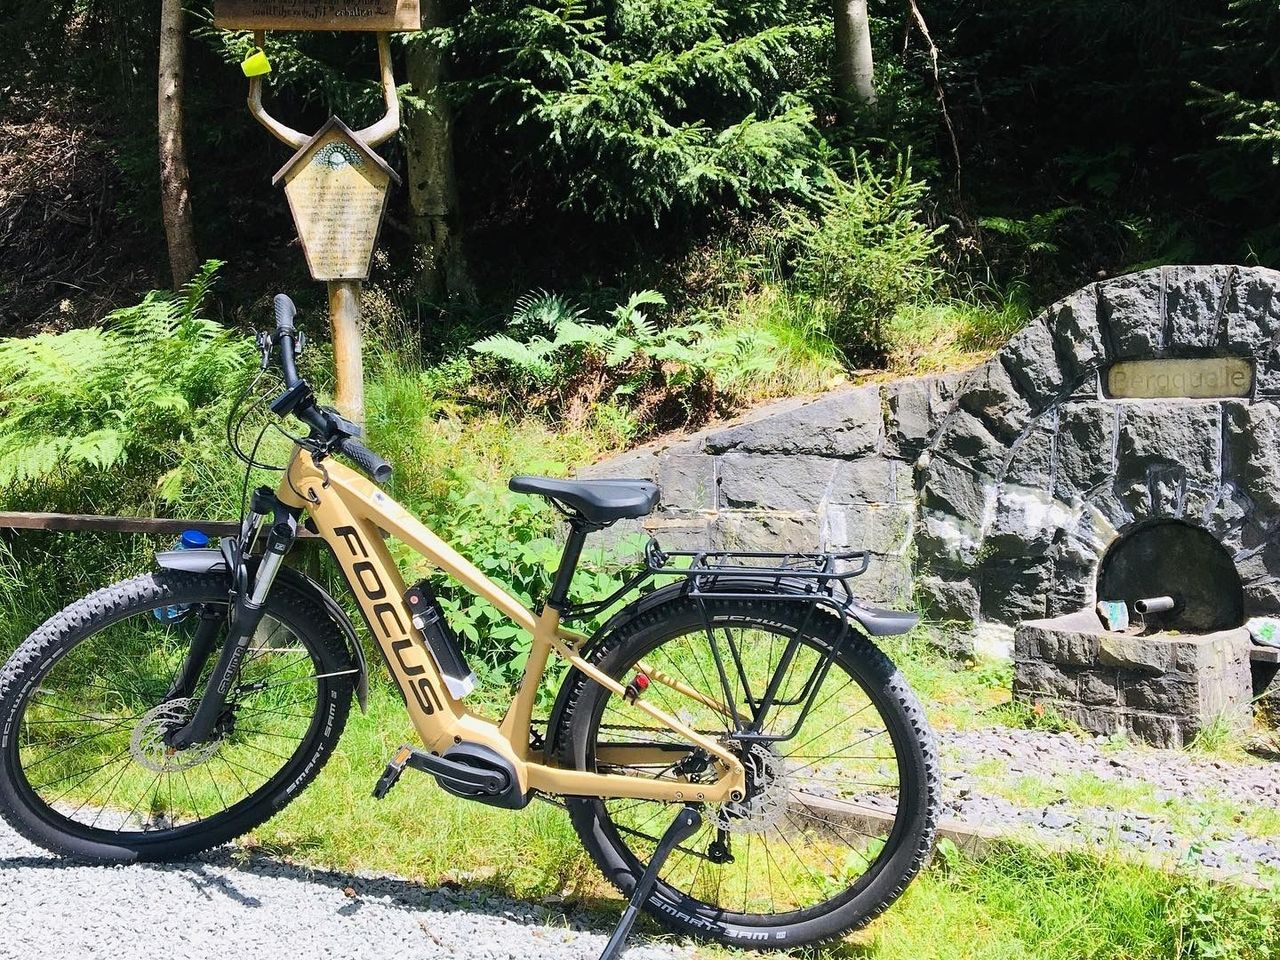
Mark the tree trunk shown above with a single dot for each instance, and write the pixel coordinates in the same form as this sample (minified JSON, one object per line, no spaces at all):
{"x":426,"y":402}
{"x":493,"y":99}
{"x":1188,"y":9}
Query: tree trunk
{"x":433,"y":185}
{"x":175,"y":179}
{"x":855,"y":68}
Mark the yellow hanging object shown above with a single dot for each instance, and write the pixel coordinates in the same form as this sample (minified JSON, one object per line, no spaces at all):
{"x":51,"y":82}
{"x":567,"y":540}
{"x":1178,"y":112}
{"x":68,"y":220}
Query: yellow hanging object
{"x":256,"y":64}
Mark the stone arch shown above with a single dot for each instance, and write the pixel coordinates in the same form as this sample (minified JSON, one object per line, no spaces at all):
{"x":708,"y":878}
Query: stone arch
{"x":1037,"y":467}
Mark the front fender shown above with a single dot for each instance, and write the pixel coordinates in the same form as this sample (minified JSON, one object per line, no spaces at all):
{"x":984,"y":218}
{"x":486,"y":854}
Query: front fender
{"x":302,"y":586}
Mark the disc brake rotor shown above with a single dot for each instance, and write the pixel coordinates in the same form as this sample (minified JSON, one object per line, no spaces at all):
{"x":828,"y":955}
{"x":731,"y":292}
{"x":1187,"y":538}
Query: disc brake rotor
{"x":148,"y":746}
{"x":768,"y":793}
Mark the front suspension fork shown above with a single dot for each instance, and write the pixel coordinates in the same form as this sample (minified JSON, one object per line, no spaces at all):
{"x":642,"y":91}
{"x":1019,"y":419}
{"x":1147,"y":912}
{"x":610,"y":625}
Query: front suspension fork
{"x":247,"y":609}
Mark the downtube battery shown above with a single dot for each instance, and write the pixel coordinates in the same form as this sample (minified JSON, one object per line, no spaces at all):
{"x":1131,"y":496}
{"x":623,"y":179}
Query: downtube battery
{"x":440,"y":639}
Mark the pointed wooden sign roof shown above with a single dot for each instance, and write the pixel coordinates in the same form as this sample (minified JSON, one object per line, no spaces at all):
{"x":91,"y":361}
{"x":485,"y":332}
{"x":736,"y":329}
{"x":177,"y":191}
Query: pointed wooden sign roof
{"x":333,"y":123}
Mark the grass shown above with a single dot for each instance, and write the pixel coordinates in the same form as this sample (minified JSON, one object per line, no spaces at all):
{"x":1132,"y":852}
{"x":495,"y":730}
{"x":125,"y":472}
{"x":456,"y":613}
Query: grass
{"x":1019,"y":903}
{"x":955,"y":696}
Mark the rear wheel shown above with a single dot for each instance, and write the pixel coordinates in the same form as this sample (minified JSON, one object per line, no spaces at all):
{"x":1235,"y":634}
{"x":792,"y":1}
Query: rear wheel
{"x":842,"y":790}
{"x":85,"y":703}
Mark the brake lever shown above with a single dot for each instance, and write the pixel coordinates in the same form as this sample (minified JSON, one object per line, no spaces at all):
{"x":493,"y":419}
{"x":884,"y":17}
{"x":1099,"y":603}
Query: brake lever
{"x":266,"y":343}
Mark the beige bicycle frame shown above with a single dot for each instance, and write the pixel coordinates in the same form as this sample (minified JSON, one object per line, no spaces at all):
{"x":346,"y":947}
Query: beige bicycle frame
{"x":352,"y":516}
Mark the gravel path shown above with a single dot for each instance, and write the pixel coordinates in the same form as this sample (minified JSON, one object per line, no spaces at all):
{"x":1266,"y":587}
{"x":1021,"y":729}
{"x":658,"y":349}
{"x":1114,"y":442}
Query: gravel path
{"x":1194,"y":805}
{"x":214,"y":907}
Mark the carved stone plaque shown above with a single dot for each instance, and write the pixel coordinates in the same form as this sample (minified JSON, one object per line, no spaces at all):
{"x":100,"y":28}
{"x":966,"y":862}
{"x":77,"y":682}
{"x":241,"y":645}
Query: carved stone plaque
{"x":1197,"y":379}
{"x":337,"y":189}
{"x":381,"y":16}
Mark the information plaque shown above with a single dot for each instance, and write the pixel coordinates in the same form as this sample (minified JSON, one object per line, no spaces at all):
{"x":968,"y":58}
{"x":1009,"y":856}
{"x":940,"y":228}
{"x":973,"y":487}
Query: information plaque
{"x":379,"y":16}
{"x":337,"y":190}
{"x":1200,"y":378}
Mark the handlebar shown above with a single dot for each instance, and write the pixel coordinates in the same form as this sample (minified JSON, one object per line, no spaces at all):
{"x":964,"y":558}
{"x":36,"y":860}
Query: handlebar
{"x":372,"y":465}
{"x":330,"y":430}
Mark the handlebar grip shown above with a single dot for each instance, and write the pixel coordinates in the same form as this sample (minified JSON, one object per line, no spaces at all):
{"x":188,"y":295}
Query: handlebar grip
{"x":285,"y":312}
{"x":372,"y":465}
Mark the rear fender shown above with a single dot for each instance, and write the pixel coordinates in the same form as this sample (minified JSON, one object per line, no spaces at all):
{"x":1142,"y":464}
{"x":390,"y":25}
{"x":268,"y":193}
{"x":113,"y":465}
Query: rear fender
{"x":290,"y":580}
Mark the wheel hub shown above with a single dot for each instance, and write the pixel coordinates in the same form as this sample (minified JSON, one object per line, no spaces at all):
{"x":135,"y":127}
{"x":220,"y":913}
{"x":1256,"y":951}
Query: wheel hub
{"x":768,"y":793}
{"x":149,"y":746}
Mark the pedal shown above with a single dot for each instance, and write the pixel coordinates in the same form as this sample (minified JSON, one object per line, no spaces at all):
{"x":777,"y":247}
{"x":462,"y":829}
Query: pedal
{"x":391,"y":775}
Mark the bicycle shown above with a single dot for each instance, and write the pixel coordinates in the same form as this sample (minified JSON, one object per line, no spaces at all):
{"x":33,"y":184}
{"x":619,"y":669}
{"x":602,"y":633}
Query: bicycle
{"x":172,"y":712}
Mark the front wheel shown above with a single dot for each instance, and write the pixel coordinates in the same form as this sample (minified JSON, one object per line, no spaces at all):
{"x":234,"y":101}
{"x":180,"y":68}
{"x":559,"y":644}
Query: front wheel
{"x":842,"y":771}
{"x":87,"y":700}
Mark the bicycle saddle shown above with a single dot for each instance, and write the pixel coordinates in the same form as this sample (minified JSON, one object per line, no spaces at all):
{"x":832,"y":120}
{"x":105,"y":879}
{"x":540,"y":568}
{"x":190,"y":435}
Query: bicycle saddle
{"x":598,"y":501}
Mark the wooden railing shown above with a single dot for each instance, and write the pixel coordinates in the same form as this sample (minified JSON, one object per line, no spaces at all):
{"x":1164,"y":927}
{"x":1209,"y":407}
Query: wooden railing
{"x":93,"y":523}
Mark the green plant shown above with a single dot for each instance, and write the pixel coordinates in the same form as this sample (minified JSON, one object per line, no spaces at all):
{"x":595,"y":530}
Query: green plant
{"x":863,"y":252}
{"x":573,"y":364}
{"x":1213,"y":922}
{"x":125,"y":396}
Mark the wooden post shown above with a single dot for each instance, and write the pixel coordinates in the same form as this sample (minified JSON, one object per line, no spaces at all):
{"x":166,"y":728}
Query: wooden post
{"x":344,"y":317}
{"x":336,"y":184}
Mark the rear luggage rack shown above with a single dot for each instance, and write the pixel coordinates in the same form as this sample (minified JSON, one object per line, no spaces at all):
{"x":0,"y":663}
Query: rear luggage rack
{"x":820,"y":579}
{"x":814,"y":580}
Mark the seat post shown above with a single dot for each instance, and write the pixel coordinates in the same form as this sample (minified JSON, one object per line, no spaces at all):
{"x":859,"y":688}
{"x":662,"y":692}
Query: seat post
{"x":558,"y":598}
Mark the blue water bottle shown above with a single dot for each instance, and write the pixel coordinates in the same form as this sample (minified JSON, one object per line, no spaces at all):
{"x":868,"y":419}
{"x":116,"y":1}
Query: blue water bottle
{"x":190,"y":540}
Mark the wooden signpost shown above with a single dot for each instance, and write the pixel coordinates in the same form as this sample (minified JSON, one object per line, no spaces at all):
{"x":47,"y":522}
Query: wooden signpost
{"x":336,"y":185}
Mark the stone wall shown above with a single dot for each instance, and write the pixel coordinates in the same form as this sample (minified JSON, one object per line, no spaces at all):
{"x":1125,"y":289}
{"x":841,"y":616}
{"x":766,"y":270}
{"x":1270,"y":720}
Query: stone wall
{"x":994,"y":493}
{"x":831,"y":473}
{"x":1036,"y":471}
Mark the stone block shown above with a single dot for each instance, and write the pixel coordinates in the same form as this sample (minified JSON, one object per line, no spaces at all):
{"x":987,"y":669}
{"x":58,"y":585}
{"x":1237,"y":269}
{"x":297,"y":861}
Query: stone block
{"x":1252,"y":437}
{"x":639,"y":464}
{"x":1032,"y":361}
{"x":1156,"y":729}
{"x":1037,"y":678}
{"x":904,"y":482}
{"x":869,"y":480}
{"x":1077,"y":334}
{"x":676,"y":530}
{"x":887,"y":581}
{"x":1099,"y":720}
{"x":1025,"y":523}
{"x":1251,"y":313}
{"x":1015,"y":590}
{"x":1071,"y":640}
{"x":947,"y":600}
{"x":990,"y":395}
{"x":844,"y":424}
{"x":758,"y":482}
{"x":1131,"y":309}
{"x":945,"y":540}
{"x":965,"y":440}
{"x":953,"y":489}
{"x":879,"y":528}
{"x":1137,"y":654}
{"x":1099,"y":688}
{"x":1085,"y":448}
{"x":766,"y":532}
{"x":1031,"y":459}
{"x":1176,"y":433}
{"x":688,"y":481}
{"x":1170,"y":693}
{"x":914,"y":407}
{"x":1194,"y":299}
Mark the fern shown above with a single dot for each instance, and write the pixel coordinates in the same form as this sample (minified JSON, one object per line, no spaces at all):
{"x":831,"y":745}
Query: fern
{"x":627,"y":357}
{"x":123,"y":394}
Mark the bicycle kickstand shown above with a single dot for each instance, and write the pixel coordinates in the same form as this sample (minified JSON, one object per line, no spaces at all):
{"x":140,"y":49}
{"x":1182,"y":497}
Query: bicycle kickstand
{"x":685,"y":825}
